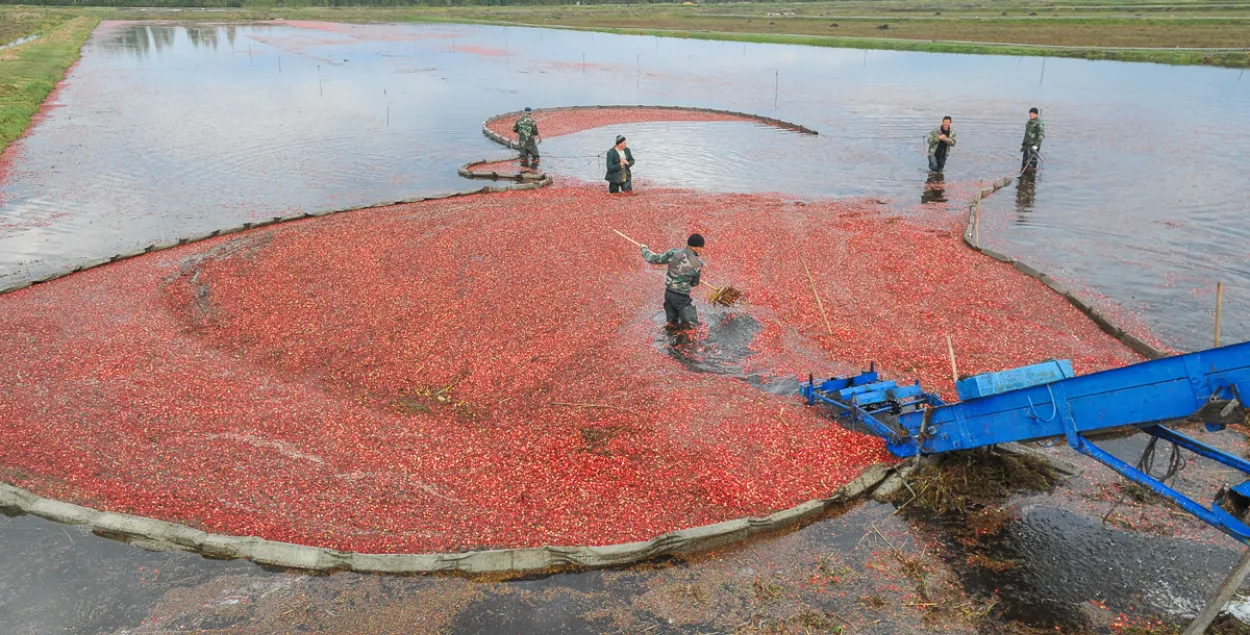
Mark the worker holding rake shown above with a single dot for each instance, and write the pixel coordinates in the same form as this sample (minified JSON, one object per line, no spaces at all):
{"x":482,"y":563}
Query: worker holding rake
{"x":685,"y":271}
{"x":684,"y":268}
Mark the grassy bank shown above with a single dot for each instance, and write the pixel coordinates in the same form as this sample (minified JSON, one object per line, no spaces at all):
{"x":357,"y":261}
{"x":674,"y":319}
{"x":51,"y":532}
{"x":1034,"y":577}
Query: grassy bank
{"x":1215,"y":32}
{"x":1104,"y":29}
{"x":30,"y":71}
{"x":1002,"y":24}
{"x":1108,"y":29}
{"x":19,"y":22}
{"x":1230,"y":58}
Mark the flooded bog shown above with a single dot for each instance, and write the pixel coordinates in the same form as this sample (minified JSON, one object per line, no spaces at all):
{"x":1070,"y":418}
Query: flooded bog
{"x":477,"y":367}
{"x":165,"y":131}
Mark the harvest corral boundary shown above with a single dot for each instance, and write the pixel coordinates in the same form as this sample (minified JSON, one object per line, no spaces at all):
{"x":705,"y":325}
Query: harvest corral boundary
{"x":530,"y":559}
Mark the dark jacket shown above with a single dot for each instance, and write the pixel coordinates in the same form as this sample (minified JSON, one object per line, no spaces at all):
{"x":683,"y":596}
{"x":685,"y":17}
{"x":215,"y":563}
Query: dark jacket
{"x":615,"y":173}
{"x":937,"y":145}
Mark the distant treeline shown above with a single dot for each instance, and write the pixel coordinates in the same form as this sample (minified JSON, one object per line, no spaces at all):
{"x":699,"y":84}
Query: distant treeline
{"x":261,"y":4}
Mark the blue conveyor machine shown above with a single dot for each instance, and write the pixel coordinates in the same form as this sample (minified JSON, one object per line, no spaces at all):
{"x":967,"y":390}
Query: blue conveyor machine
{"x":1046,"y":400}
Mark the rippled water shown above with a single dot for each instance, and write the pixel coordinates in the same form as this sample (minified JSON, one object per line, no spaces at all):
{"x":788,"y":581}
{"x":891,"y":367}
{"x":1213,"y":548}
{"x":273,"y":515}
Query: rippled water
{"x":165,"y":131}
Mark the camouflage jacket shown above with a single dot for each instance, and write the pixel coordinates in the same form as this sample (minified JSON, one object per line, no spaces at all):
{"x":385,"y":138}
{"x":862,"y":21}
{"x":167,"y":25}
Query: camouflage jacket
{"x":526,"y":129}
{"x":684,"y":268}
{"x":1034,"y":132}
{"x":934,"y":141}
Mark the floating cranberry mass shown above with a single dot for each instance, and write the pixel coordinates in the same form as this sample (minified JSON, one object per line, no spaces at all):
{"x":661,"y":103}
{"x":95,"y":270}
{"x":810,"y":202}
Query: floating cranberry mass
{"x":479,"y":372}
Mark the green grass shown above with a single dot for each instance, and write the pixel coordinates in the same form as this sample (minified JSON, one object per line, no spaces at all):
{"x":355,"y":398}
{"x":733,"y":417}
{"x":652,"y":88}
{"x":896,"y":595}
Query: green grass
{"x":1235,"y":59}
{"x":19,"y":22}
{"x":1092,"y":31}
{"x":30,"y":71}
{"x":1103,"y":29}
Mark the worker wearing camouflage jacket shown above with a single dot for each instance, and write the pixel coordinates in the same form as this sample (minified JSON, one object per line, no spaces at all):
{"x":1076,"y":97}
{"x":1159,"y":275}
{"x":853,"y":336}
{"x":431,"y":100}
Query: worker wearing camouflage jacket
{"x":526,"y":130}
{"x":1034,"y":132}
{"x":684,"y":268}
{"x":940,"y":141}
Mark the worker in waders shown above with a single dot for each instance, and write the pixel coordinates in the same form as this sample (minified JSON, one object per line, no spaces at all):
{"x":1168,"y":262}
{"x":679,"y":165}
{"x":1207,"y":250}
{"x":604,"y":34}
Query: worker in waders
{"x":620,"y":160}
{"x":526,"y":130}
{"x":684,"y":268}
{"x":1034,"y":132}
{"x":940,"y":140}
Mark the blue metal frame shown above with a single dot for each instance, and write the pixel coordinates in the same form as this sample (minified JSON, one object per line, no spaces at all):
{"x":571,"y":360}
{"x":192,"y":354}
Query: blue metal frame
{"x":1140,"y":395}
{"x":861,"y":399}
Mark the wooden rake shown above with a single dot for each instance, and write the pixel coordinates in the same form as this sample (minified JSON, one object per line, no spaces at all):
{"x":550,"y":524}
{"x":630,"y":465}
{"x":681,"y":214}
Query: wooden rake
{"x":721,"y":296}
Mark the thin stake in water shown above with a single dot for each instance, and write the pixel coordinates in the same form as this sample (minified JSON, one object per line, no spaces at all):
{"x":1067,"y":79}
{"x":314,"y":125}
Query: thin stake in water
{"x":279,"y":64}
{"x":1221,"y":597}
{"x":776,"y":86}
{"x":1219,"y":310}
{"x":820,"y":305}
{"x":950,"y":348}
{"x":1039,"y":82}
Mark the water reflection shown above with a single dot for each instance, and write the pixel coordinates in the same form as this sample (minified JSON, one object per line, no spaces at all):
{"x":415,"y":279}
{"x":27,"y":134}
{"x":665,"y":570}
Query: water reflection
{"x":203,"y":36}
{"x":1026,"y":193}
{"x":934,"y":189}
{"x":327,"y":116}
{"x":142,"y":39}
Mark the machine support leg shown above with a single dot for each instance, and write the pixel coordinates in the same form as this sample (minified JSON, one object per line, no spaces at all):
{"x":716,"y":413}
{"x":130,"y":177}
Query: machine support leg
{"x":1221,"y":597}
{"x":1201,"y":449}
{"x":1225,"y":522}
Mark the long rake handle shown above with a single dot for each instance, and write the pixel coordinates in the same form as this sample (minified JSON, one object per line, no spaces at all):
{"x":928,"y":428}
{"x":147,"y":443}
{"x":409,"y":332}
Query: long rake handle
{"x":638,"y":244}
{"x":820,"y":305}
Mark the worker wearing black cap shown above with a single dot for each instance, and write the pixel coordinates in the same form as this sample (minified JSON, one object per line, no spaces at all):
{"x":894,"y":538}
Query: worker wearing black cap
{"x":684,"y":268}
{"x":620,"y":160}
{"x":1034,"y":132}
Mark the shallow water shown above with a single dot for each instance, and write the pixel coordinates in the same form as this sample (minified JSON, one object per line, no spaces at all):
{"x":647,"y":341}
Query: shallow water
{"x":19,"y":41}
{"x":65,"y":580}
{"x":165,"y":131}
{"x":61,"y":579}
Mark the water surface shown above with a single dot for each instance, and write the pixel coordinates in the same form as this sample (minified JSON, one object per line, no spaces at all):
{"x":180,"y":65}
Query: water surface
{"x":165,"y":131}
